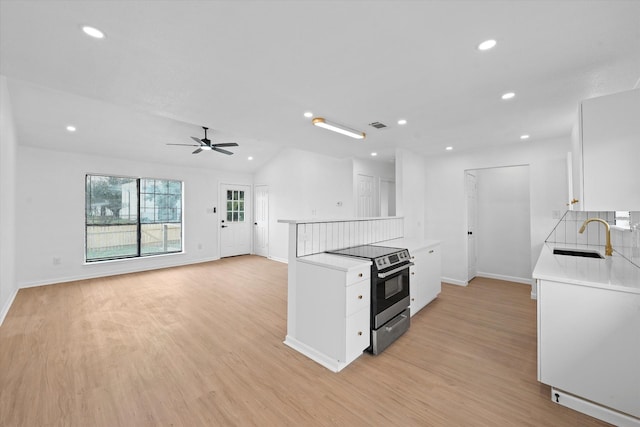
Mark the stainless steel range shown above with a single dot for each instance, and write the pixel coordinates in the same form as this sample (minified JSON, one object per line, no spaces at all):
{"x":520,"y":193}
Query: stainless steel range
{"x":390,"y":316}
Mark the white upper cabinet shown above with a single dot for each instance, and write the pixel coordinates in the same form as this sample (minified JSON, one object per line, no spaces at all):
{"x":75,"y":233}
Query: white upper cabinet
{"x":610,"y":134}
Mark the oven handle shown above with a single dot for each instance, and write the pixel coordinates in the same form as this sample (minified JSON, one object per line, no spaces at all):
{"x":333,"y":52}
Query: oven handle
{"x":394,"y":271}
{"x":399,"y":320}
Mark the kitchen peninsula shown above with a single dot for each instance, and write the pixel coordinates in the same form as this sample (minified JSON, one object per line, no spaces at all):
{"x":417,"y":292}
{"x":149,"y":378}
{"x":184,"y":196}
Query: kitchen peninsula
{"x":329,"y":317}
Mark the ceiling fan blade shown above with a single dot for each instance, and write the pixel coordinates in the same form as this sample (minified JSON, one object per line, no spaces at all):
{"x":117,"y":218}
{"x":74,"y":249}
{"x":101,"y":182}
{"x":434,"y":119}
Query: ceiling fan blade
{"x":197,"y":150}
{"x":225,"y":144}
{"x":220,"y":150}
{"x":196,"y":140}
{"x":188,"y":145}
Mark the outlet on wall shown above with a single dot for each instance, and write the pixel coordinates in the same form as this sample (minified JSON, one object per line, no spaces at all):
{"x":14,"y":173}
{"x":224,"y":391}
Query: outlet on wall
{"x":56,"y":261}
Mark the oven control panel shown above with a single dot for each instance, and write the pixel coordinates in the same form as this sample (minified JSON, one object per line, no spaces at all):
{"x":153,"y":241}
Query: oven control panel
{"x":392,"y":259}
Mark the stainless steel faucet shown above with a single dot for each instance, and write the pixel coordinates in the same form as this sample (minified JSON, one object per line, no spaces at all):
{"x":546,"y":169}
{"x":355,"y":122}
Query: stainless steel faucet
{"x":608,"y":249}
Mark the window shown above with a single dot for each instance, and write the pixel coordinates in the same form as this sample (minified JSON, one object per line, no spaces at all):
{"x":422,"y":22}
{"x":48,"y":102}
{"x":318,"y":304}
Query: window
{"x":131,"y":217}
{"x":235,"y":206}
{"x":623,"y":219}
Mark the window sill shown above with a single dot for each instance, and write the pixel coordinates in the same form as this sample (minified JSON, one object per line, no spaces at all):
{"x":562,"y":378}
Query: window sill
{"x":109,"y":261}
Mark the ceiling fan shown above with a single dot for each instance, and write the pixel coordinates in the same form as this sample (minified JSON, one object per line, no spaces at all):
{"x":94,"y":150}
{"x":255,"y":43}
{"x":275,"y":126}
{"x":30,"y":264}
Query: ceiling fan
{"x":205,"y":144}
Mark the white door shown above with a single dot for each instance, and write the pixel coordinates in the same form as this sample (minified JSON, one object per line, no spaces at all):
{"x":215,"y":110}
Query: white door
{"x":261,"y":221}
{"x":235,"y":220}
{"x":472,"y":220}
{"x":365,"y":196}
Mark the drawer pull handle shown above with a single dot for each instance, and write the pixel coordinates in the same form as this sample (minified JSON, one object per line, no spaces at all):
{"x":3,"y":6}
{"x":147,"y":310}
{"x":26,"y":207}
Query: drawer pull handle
{"x":413,"y":273}
{"x":413,"y":257}
{"x":431,"y":251}
{"x":359,"y":296}
{"x":359,"y":274}
{"x":359,"y":333}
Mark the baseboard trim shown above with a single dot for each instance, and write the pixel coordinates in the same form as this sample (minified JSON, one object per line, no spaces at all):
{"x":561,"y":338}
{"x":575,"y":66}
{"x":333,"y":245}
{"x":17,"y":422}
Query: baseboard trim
{"x":7,"y":306}
{"x":111,"y":273}
{"x":454,"y":281}
{"x":282,"y":260}
{"x":593,"y":409}
{"x":523,"y":280}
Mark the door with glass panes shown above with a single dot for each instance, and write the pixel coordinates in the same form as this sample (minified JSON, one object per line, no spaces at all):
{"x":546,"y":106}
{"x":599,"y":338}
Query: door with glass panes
{"x":235,"y":220}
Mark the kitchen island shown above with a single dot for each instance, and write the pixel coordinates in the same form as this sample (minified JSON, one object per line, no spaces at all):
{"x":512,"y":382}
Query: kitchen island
{"x":589,"y":333}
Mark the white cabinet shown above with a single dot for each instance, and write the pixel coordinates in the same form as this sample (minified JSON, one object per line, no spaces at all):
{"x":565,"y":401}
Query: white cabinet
{"x":610,"y":136}
{"x":589,"y":343}
{"x":330,"y":322}
{"x":424,"y":281}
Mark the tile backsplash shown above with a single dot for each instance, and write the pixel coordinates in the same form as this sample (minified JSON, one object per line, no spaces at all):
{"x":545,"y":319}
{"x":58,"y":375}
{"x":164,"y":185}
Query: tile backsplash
{"x":625,"y":242}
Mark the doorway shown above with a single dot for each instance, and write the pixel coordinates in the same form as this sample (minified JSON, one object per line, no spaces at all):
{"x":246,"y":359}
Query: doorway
{"x":261,"y":221}
{"x":235,"y":220}
{"x":365,"y":207}
{"x":499,"y":223}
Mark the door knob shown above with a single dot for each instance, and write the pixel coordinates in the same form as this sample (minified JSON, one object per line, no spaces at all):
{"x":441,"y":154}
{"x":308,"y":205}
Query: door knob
{"x":469,"y":233}
{"x":224,"y":226}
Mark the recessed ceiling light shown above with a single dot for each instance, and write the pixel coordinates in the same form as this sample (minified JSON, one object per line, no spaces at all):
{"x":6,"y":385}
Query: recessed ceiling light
{"x":449,"y":148}
{"x":308,"y":114}
{"x":508,"y":95}
{"x":402,"y":122}
{"x":93,"y":32}
{"x":250,"y":158}
{"x":374,"y":154}
{"x":71,"y":128}
{"x":524,"y":136}
{"x":487,"y":44}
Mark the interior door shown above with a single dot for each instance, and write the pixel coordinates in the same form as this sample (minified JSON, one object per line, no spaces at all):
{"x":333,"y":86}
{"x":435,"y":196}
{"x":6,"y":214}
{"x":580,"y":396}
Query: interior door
{"x":261,"y":221}
{"x":365,"y":196}
{"x":235,"y":220}
{"x":472,"y":220}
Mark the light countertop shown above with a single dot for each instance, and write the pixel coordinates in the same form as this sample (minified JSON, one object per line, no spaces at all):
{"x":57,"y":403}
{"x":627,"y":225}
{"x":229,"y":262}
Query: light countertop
{"x":413,"y":244}
{"x":336,"y":262}
{"x":614,"y":272}
{"x":315,"y":220}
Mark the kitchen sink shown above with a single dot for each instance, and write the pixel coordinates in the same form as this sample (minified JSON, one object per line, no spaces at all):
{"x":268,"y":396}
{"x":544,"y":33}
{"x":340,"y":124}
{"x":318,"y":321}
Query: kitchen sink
{"x":578,"y":252}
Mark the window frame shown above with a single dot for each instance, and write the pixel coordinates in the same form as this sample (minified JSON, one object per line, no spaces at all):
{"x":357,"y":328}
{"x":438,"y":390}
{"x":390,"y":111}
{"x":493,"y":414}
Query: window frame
{"x":138,"y":223}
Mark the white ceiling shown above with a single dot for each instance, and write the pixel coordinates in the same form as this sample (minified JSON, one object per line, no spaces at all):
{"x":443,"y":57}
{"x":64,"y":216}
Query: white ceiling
{"x":250,"y":69}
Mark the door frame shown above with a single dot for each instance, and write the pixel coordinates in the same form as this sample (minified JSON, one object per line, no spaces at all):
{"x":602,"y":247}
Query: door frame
{"x":222,"y":203}
{"x":255,"y":206}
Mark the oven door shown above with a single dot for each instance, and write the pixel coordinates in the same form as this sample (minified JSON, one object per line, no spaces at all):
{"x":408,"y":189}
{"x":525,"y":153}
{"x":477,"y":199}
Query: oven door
{"x":391,"y":293}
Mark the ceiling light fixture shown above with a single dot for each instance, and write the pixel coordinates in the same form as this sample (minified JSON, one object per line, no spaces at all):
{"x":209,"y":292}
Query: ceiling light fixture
{"x":402,"y":122}
{"x":71,"y":128}
{"x":508,"y":95}
{"x":250,"y":158}
{"x":449,"y":148}
{"x":487,"y":44}
{"x":374,"y":154}
{"x":524,"y":136}
{"x":308,"y":114}
{"x":323,"y":123}
{"x":93,"y":32}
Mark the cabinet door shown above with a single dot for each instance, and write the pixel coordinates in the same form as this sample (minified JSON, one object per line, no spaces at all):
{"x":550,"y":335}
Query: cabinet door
{"x":589,"y":343}
{"x":610,"y":152}
{"x":433,"y":273}
{"x":358,"y":334}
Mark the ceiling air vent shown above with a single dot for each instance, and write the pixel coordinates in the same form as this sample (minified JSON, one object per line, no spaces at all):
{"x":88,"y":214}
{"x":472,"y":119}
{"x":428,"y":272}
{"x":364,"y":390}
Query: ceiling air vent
{"x":378,"y":125}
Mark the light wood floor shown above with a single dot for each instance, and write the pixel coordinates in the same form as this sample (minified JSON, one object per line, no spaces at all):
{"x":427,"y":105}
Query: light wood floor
{"x":202,"y":345}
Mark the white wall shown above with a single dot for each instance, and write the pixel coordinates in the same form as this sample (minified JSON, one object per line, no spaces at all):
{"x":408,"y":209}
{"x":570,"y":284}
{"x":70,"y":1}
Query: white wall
{"x":445,"y":200}
{"x":8,"y":147}
{"x":410,"y":191}
{"x":50,"y":201}
{"x":304,"y":185}
{"x":503,"y":231}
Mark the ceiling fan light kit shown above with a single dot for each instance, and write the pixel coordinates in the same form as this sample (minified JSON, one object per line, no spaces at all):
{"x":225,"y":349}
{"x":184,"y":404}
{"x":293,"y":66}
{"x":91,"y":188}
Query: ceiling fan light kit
{"x":335,"y":127}
{"x":206,"y":145}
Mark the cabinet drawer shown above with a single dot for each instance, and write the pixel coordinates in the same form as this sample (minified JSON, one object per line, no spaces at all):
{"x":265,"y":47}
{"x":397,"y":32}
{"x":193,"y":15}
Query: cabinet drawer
{"x":358,"y":297}
{"x":358,"y":336}
{"x":358,"y":274}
